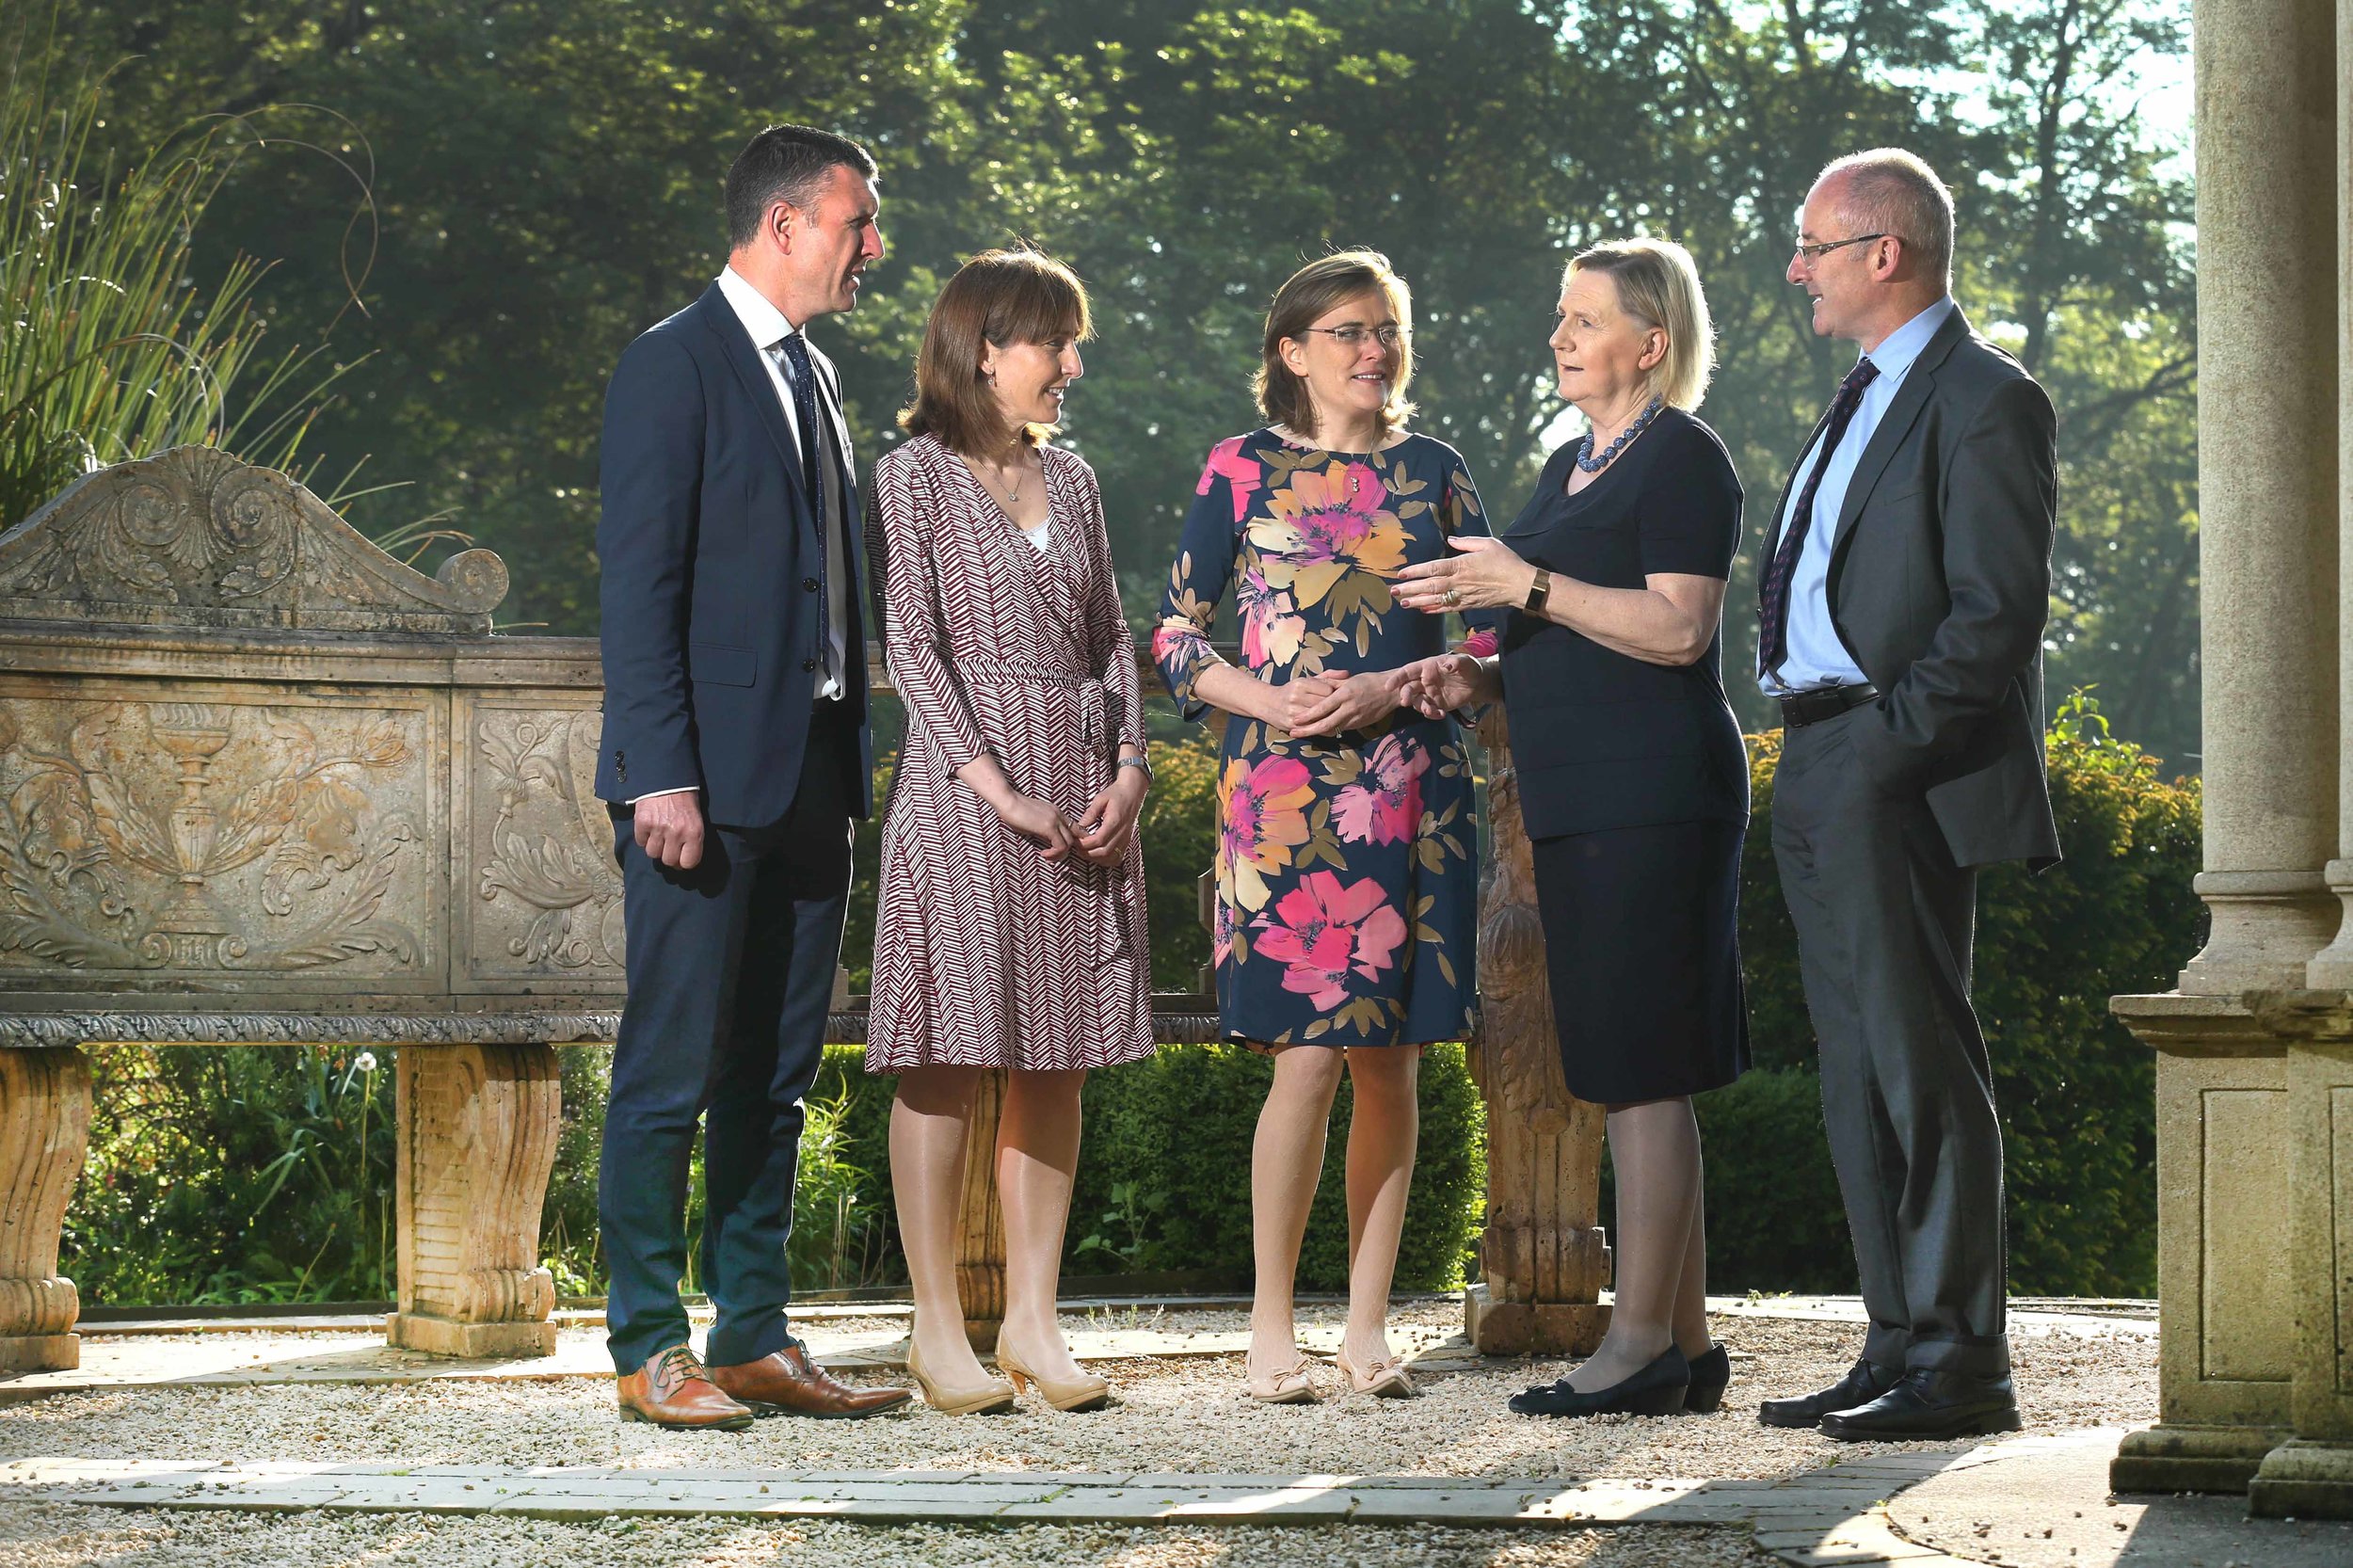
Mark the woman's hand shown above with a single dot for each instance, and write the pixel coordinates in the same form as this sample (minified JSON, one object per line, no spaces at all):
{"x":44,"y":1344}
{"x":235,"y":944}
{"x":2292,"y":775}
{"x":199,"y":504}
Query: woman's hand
{"x":1042,"y":822}
{"x":1111,"y":818}
{"x":1346,"y":702}
{"x":1446,"y":683}
{"x":1483,"y":574}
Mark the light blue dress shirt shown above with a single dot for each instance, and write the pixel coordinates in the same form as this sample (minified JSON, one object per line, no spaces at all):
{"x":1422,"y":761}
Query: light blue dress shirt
{"x":1815,"y":656}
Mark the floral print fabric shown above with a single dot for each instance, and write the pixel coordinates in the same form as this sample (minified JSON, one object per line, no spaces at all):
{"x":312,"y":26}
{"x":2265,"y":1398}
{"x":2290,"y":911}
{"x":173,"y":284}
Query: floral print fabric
{"x":1347,"y":880}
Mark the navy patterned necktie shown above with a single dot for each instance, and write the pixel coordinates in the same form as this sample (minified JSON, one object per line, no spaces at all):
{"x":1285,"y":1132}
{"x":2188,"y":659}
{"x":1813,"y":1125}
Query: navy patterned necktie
{"x":803,"y":378}
{"x":1772,"y":643}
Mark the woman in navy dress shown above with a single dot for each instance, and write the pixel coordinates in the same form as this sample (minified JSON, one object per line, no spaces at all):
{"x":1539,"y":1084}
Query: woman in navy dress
{"x":1633,"y":781}
{"x":1346,"y":884}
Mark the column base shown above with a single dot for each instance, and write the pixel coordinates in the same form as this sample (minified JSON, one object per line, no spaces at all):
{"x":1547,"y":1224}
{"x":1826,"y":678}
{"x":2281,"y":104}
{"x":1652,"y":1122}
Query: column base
{"x":2303,"y":1480}
{"x":40,"y":1352}
{"x":2179,"y":1458}
{"x":419,"y":1331}
{"x":1531,"y":1328}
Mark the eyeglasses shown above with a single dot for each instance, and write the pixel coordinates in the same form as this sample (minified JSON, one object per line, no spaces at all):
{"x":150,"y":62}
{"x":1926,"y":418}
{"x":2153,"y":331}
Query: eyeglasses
{"x":1353,"y":336}
{"x":1809,"y":254}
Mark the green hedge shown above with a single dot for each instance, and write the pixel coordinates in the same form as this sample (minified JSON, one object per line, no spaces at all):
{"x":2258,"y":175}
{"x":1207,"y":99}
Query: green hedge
{"x":243,"y":1175}
{"x":1164,"y":1173}
{"x":2076,"y":1092}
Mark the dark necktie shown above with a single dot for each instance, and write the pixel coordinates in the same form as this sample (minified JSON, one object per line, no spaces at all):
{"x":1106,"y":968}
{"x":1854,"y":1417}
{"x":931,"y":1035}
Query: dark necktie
{"x":1772,"y":644}
{"x":803,"y":378}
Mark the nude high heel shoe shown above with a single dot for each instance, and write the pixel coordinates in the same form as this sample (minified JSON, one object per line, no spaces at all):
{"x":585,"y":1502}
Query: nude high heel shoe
{"x":1082,"y":1393}
{"x":989,"y":1397}
{"x":1382,"y":1379}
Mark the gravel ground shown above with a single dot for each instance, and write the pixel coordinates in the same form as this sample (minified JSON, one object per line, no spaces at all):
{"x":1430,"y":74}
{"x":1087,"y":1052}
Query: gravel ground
{"x":1185,"y":1415}
{"x":35,"y":1536}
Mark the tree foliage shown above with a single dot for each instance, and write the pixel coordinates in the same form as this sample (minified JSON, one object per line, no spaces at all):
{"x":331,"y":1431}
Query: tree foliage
{"x":546,"y":184}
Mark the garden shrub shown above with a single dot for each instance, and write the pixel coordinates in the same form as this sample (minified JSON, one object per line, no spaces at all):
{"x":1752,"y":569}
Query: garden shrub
{"x":2075,"y":1091}
{"x":241,"y":1174}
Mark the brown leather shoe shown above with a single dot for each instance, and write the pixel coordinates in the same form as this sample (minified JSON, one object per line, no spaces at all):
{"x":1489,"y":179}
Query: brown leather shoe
{"x":673,"y":1390}
{"x":787,"y":1382}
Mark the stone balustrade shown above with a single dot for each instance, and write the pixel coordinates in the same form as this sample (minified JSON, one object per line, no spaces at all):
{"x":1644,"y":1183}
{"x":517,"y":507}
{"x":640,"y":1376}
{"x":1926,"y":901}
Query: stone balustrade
{"x":261,"y":784}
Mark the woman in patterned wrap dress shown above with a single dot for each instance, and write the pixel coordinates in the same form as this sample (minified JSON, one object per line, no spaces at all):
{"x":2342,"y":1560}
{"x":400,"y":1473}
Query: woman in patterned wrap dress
{"x":1010,"y":932}
{"x":1346,"y":877}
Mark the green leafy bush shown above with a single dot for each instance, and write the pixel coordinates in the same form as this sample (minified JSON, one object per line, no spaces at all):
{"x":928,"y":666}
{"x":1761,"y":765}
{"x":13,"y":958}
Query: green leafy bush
{"x":2075,"y":1091}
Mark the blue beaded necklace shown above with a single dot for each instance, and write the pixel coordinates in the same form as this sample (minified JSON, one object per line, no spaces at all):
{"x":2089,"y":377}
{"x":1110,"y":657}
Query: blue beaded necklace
{"x":1590,"y":464}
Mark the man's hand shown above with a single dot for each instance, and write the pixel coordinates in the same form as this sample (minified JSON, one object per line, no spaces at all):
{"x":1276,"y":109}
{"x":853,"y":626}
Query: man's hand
{"x":669,"y":829}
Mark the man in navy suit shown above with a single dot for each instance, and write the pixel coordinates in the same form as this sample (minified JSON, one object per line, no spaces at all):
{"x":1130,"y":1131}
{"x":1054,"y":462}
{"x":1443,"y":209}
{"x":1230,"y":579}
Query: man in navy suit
{"x":735,"y":753}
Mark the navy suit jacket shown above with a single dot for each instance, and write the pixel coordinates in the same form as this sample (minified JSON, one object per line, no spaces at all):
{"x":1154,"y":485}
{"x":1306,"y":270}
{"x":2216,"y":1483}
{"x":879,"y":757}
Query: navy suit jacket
{"x":713,"y":575}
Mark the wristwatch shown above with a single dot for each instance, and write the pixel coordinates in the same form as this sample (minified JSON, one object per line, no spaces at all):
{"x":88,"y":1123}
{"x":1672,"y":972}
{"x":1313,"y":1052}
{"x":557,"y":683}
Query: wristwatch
{"x":1538,"y":591}
{"x":1145,"y":763}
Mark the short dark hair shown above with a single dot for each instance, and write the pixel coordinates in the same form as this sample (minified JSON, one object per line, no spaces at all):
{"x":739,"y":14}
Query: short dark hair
{"x":1000,"y":297}
{"x":784,"y":163}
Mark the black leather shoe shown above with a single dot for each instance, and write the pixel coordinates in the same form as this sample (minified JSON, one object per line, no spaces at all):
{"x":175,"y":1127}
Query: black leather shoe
{"x":1927,"y":1406}
{"x":1711,"y":1373}
{"x":1658,"y":1389}
{"x":1864,"y":1381}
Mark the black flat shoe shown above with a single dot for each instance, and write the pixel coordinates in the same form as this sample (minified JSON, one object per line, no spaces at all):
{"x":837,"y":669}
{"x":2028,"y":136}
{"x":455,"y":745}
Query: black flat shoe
{"x":1711,"y":1373}
{"x":1864,"y":1381}
{"x":1928,"y":1406}
{"x":1658,"y":1389}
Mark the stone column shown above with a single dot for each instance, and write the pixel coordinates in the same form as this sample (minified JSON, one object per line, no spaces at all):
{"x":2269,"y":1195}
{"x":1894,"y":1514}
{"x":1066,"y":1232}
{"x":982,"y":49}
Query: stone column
{"x":476,"y":1138}
{"x":2268,"y":561}
{"x":44,"y":1131}
{"x":2312,"y":1475}
{"x":1543,"y":1258}
{"x":2266,"y":460}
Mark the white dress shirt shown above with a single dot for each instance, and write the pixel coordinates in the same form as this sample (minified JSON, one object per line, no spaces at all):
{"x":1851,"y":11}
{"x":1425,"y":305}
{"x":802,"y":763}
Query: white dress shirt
{"x":1813,"y":656}
{"x":769,"y":328}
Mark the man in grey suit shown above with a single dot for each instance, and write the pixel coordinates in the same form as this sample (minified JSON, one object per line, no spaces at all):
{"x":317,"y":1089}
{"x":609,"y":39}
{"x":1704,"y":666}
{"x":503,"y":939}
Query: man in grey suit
{"x":1902,"y":595}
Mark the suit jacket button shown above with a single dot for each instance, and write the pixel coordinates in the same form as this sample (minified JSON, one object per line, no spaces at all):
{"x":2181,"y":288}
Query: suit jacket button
{"x":809,"y":584}
{"x":808,"y":664}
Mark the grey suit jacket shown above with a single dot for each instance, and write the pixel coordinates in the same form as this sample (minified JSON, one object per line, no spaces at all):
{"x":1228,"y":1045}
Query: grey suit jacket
{"x":1940,"y":582}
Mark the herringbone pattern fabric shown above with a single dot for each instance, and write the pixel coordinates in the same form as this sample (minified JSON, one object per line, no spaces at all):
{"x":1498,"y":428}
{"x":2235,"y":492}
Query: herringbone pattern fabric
{"x":984,"y":953}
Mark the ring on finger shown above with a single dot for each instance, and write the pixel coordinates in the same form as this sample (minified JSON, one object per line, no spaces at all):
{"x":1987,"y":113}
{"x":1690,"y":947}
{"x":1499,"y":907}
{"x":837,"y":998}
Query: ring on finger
{"x":1453,"y":597}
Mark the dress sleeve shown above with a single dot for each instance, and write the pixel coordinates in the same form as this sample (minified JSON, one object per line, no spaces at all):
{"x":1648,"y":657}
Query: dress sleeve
{"x":1205,"y":563}
{"x":1690,"y":520}
{"x":915,"y":634}
{"x":1107,"y":626}
{"x":1461,"y":513}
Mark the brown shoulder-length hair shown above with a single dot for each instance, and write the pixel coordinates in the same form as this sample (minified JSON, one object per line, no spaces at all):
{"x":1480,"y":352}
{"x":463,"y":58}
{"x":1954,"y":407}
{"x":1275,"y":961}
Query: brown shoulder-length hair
{"x":1323,"y":286}
{"x":999,"y":298}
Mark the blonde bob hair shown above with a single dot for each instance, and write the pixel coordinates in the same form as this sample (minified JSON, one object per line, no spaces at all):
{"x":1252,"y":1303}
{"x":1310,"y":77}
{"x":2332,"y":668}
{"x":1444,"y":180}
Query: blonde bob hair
{"x":1658,"y":286}
{"x":1315,"y":290}
{"x":999,"y":298}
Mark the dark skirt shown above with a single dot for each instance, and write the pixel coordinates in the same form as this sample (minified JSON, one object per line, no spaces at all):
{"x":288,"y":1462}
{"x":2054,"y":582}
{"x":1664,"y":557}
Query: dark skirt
{"x":1643,"y":944}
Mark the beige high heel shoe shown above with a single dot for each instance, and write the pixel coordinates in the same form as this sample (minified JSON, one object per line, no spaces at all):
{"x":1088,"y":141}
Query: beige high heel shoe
{"x":1086,"y":1392}
{"x":1291,"y":1386}
{"x":1382,"y":1379}
{"x":989,"y":1397}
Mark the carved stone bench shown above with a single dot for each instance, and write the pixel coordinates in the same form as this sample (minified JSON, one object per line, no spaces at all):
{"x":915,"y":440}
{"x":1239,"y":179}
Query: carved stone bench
{"x":260,"y":783}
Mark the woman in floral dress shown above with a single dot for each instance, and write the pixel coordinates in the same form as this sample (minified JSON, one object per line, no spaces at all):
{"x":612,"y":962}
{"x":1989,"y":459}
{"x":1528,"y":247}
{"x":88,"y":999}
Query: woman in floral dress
{"x":1346,"y":879}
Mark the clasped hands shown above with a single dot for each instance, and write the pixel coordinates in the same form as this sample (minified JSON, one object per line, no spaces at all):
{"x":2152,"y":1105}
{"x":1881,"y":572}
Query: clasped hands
{"x":1100,"y":834}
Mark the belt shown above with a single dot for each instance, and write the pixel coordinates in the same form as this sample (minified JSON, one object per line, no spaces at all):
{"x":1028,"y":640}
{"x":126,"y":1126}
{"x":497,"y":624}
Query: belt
{"x":1800,"y":709}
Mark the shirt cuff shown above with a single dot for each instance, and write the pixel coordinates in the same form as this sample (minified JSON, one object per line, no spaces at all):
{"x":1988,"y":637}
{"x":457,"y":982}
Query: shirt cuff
{"x":657,"y":794}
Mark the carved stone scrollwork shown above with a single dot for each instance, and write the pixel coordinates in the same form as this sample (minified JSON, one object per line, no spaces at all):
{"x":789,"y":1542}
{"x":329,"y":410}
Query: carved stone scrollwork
{"x":184,"y":838}
{"x":1543,"y":1260}
{"x":478,"y":1126}
{"x":194,"y":537}
{"x":549,"y":893}
{"x":44,"y":1129}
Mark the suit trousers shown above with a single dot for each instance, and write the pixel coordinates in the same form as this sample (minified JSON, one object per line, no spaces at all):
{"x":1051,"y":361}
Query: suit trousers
{"x":1885,"y":919}
{"x":730,"y":979}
